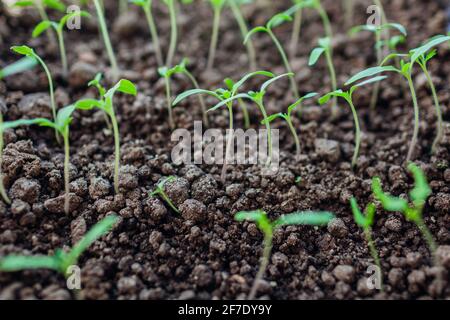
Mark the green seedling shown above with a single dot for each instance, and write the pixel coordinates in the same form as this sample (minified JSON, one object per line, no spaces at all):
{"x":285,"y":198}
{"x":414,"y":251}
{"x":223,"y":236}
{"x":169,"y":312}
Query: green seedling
{"x":288,"y":118}
{"x":325,"y":48}
{"x":365,"y":221}
{"x":243,"y":27}
{"x":147,"y":7}
{"x":167,"y":75}
{"x":105,"y":103}
{"x":159,"y":191}
{"x":217,"y":6}
{"x":268,"y":227}
{"x":296,"y":28}
{"x":29,"y":52}
{"x":412,"y":212}
{"x":377,"y":31}
{"x":348,"y":97}
{"x":275,"y":21}
{"x":406,"y":68}
{"x":19,"y":66}
{"x":59,"y":27}
{"x":106,"y":39}
{"x":226,"y":97}
{"x":61,"y":261}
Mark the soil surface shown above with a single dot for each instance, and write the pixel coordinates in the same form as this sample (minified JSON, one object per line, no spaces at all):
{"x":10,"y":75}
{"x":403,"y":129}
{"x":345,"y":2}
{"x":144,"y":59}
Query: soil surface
{"x":153,"y":253}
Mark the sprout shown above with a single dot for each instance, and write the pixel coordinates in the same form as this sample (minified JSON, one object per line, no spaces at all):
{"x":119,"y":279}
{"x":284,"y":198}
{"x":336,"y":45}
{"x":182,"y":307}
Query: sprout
{"x":268,"y":227}
{"x":234,"y":4}
{"x":61,"y":260}
{"x":159,"y":191}
{"x":377,"y":30}
{"x":59,"y":27}
{"x":348,"y":96}
{"x":288,"y":118}
{"x":171,"y":4}
{"x":106,"y":39}
{"x":275,"y":21}
{"x":226,"y":98}
{"x":19,"y":66}
{"x":217,"y":6}
{"x":412,"y":212}
{"x":105,"y":103}
{"x":147,"y":7}
{"x":29,"y":52}
{"x":365,"y":221}
{"x":325,"y":47}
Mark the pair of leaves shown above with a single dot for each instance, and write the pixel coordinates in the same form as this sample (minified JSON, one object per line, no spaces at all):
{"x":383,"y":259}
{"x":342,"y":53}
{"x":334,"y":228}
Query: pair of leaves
{"x":180,"y":68}
{"x":275,"y":21}
{"x":291,"y":108}
{"x":375,"y":28}
{"x":365,"y":220}
{"x":58,"y":26}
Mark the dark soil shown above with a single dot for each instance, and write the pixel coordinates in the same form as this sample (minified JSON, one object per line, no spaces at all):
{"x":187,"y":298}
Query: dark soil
{"x":203,"y":253}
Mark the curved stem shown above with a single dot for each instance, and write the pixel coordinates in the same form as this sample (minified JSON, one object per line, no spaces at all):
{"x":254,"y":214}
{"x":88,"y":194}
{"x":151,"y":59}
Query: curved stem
{"x":244,"y":108}
{"x":201,"y":100}
{"x":428,"y":237}
{"x":286,"y":63}
{"x":229,"y":143}
{"x":173,"y":32}
{"x":62,"y":50}
{"x":416,"y":119}
{"x":294,"y":134}
{"x":357,"y":133}
{"x":263,"y":266}
{"x":376,"y":88}
{"x":154,"y":34}
{"x":214,"y":38}
{"x":296,"y":28}
{"x":66,"y":171}
{"x":104,"y":31}
{"x":169,"y":103}
{"x":116,"y":150}
{"x":374,"y":254}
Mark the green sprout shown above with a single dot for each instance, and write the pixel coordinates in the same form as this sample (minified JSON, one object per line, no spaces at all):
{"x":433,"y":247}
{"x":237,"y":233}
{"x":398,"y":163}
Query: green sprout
{"x":105,"y":103}
{"x":378,"y":30}
{"x":288,"y":118}
{"x":235,"y":8}
{"x":159,"y":191}
{"x":147,"y":7}
{"x":59,"y":27}
{"x":106,"y":39}
{"x":348,"y":97}
{"x":29,"y":52}
{"x":275,"y":21}
{"x":268,"y":227}
{"x":226,"y":98}
{"x":296,"y":28}
{"x":365,"y":221}
{"x":171,"y":4}
{"x":22,"y":65}
{"x":325,"y":48}
{"x":60,"y":261}
{"x":413,"y":211}
{"x":217,"y":6}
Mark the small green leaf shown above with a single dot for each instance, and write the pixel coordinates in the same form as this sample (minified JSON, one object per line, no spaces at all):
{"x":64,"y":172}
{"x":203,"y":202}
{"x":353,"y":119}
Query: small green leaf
{"x":64,"y":117}
{"x":189,"y":93}
{"x":338,"y":93}
{"x":304,"y":218}
{"x":389,"y":203}
{"x":55,"y":4}
{"x":88,"y":104}
{"x":19,"y":66}
{"x":421,"y":191}
{"x":371,"y":80}
{"x":416,"y":53}
{"x":369,"y":73}
{"x":272,"y":117}
{"x":315,"y":55}
{"x":24,"y":3}
{"x":278,"y":19}
{"x":258,"y":216}
{"x":293,"y":106}
{"x":253,"y":31}
{"x":40,"y":28}
{"x":24,"y":50}
{"x":17,"y":263}
{"x":245,"y":78}
{"x":266,"y":84}
{"x":359,"y":218}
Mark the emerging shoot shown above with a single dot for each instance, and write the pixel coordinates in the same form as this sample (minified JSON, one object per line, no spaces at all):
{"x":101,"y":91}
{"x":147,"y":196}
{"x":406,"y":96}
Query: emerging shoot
{"x":217,"y":6}
{"x":159,"y":191}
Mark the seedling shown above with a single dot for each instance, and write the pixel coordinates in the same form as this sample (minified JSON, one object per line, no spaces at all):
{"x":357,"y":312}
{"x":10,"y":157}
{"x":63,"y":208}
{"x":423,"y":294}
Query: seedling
{"x":146,"y":5}
{"x":159,"y":191}
{"x":365,"y":221}
{"x":171,"y":4}
{"x":226,"y":98}
{"x":29,"y":52}
{"x":19,"y":66}
{"x":275,"y":21}
{"x":217,"y":6}
{"x":412,"y":212}
{"x":106,"y":39}
{"x":105,"y":103}
{"x":288,"y":118}
{"x":378,"y":30}
{"x":60,"y":261}
{"x":268,"y":227}
{"x":59,"y":27}
{"x":167,"y":74}
{"x":235,"y":8}
{"x":325,"y":48}
{"x":348,"y":97}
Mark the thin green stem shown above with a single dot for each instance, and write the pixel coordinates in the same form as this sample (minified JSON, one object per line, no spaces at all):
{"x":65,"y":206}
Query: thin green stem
{"x":428,"y":237}
{"x":214,"y":38}
{"x":416,"y":119}
{"x":168,"y":201}
{"x":154,"y":34}
{"x":169,"y":103}
{"x":201,"y":100}
{"x":384,"y":20}
{"x":296,"y":28}
{"x":332,"y":76}
{"x":376,"y":88}
{"x":62,"y":52}
{"x":229,"y":142}
{"x":2,"y":186}
{"x":66,"y":171}
{"x":374,"y":254}
{"x":173,"y":32}
{"x":244,"y":108}
{"x":116,"y":150}
{"x":269,"y":131}
{"x":325,"y":21}
{"x":104,"y":31}
{"x":244,"y":30}
{"x":294,"y":134}
{"x":286,"y":63}
{"x":357,"y":133}
{"x":44,"y":17}
{"x":263,"y":265}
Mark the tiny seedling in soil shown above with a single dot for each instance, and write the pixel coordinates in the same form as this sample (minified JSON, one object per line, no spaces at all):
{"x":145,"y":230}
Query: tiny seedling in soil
{"x":365,"y":221}
{"x":105,"y":103}
{"x":412,"y":212}
{"x":106,"y":39}
{"x":147,"y":7}
{"x":19,"y":66}
{"x":275,"y":21}
{"x":268,"y":227}
{"x":59,"y":28}
{"x":288,"y":118}
{"x":348,"y":97}
{"x":226,"y":98}
{"x":217,"y":6}
{"x":167,"y":74}
{"x":159,"y":191}
{"x":29,"y":52}
{"x":60,"y":261}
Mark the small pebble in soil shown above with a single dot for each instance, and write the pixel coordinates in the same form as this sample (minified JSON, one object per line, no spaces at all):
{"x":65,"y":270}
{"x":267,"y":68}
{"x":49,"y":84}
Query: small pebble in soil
{"x":26,"y":189}
{"x":193,"y":210}
{"x":344,"y":273}
{"x":202,"y":275}
{"x":337,"y":228}
{"x":328,"y":149}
